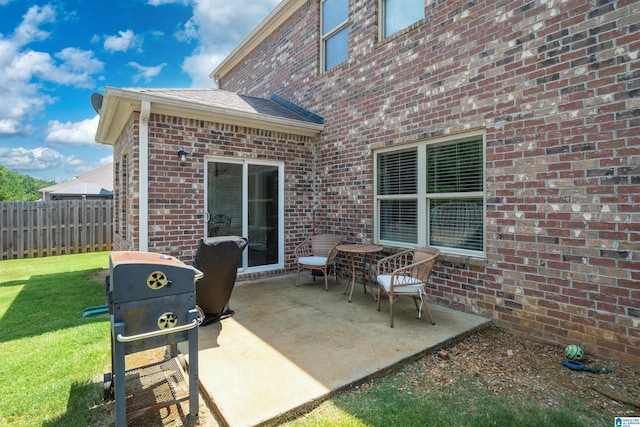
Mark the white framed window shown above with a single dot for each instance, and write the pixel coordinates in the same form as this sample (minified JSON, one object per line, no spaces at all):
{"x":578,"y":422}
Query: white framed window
{"x":431,"y":193}
{"x":396,"y":15}
{"x":335,"y":33}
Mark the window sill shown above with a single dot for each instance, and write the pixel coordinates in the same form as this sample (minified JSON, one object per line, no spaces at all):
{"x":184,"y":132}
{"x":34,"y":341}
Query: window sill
{"x":449,"y":258}
{"x":464,"y":260}
{"x":400,"y":33}
{"x":334,"y":69}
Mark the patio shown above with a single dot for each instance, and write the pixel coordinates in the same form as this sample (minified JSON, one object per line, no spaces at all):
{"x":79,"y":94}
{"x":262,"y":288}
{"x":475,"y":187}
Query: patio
{"x":286,"y":349}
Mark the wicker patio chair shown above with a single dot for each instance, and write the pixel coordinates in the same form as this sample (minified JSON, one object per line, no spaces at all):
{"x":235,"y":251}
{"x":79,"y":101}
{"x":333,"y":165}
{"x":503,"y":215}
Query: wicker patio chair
{"x":406,"y":274}
{"x":318,"y":253}
{"x":221,"y":224}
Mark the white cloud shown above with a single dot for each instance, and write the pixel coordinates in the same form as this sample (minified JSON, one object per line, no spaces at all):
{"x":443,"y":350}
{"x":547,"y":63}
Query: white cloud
{"x":29,"y":30}
{"x":9,"y":127}
{"x":72,"y":133}
{"x":77,"y":68}
{"x":199,"y":65}
{"x":146,"y":73}
{"x":124,"y":41}
{"x":219,"y":26}
{"x":24,"y":72}
{"x":106,"y":160}
{"x":37,"y":159}
{"x":79,"y":60}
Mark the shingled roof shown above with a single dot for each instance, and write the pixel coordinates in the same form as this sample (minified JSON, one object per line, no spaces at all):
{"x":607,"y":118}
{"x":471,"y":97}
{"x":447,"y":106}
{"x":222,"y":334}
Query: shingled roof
{"x":205,"y":104}
{"x":229,"y":100}
{"x":97,"y":183}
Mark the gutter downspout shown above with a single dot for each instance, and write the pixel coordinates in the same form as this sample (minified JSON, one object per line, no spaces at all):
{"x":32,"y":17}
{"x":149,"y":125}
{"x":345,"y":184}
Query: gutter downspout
{"x":143,"y":138}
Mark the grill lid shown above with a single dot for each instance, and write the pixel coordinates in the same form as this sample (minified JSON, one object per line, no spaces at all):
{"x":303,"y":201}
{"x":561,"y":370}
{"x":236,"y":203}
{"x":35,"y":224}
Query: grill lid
{"x":137,"y":275}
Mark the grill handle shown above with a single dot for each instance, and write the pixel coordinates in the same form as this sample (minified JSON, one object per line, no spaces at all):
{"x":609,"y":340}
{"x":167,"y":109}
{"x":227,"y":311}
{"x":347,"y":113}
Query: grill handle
{"x":122,"y":338}
{"x":198,"y":274}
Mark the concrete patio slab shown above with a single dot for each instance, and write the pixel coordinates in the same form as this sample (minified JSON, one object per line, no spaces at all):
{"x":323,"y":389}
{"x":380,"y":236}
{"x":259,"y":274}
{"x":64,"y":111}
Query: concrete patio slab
{"x":286,"y":349}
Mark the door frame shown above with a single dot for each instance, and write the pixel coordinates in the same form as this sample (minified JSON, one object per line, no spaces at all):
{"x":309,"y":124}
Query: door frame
{"x":245,"y":207}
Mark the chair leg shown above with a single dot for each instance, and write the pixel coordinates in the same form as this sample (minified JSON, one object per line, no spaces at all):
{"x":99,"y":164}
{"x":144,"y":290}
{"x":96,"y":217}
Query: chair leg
{"x":298,"y":278}
{"x":379,"y":296}
{"x":426,"y":306}
{"x":326,"y":280}
{"x":391,"y":301}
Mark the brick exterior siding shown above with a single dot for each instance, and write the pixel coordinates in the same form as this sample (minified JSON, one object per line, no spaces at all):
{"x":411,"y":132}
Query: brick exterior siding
{"x":177,"y":191}
{"x":125,"y":191}
{"x":555,"y":85}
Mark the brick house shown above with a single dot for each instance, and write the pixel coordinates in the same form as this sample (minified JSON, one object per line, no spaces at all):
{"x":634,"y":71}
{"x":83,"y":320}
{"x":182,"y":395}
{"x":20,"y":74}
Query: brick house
{"x":507,"y":133}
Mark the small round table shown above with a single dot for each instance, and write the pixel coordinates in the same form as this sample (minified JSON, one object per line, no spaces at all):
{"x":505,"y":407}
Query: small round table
{"x":350,"y":251}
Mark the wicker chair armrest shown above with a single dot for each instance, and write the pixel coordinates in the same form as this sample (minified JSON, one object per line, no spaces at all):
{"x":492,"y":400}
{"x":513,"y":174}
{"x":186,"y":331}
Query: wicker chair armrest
{"x":333,"y":254}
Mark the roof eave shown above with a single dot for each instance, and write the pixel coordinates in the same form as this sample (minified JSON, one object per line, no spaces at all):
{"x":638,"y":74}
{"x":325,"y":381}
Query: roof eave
{"x":268,"y":25}
{"x":117,"y":107}
{"x":119,"y":104}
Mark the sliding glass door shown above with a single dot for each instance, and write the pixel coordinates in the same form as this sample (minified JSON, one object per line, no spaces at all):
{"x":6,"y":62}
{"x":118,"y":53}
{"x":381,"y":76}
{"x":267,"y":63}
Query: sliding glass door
{"x":245,"y":199}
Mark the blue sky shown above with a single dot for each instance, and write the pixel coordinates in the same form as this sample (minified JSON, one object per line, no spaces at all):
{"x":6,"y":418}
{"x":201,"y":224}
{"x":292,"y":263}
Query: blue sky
{"x":54,"y":54}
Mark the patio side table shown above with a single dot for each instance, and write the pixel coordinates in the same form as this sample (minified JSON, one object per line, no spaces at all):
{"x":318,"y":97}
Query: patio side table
{"x":367,"y":252}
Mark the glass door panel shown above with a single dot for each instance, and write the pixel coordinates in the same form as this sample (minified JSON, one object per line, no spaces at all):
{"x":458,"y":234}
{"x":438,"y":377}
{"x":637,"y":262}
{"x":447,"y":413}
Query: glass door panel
{"x":262,"y":214}
{"x":243,"y":199}
{"x":224,"y":199}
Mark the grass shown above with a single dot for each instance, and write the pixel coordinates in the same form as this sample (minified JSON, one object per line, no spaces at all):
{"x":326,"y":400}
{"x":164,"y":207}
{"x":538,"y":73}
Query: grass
{"x":53,"y":362}
{"x":53,"y":358}
{"x":391,"y":401}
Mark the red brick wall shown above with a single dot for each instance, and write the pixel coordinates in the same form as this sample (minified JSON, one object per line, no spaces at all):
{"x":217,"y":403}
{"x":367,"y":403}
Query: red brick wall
{"x":556,"y":87}
{"x":177,"y":191}
{"x":125,"y":192}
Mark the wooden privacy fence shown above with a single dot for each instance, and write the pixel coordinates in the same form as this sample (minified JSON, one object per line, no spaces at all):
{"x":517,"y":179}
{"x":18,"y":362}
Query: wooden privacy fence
{"x":39,"y":229}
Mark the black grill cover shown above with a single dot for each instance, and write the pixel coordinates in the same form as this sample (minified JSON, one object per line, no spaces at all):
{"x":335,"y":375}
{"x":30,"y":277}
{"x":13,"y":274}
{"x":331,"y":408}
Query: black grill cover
{"x":217,"y":258}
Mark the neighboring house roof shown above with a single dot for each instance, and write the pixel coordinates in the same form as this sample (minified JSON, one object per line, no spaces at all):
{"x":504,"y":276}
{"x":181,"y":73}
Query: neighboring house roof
{"x":83,"y":188}
{"x":281,"y":13}
{"x":201,"y":104}
{"x":98,"y":182}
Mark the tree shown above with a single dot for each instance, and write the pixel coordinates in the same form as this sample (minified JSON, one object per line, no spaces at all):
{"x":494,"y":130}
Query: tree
{"x":15,"y":187}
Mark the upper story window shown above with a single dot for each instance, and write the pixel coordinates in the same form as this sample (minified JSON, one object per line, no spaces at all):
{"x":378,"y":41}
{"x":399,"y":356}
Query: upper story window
{"x":335,"y":33}
{"x":396,"y":15}
{"x":432,"y":194}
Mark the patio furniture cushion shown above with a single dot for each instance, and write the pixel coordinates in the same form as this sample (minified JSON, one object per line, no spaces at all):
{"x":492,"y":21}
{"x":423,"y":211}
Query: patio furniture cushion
{"x":313,"y":260}
{"x":411,"y":285}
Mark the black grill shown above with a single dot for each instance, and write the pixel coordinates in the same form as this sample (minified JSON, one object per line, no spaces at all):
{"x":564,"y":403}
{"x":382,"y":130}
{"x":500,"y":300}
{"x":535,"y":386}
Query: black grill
{"x":152,"y":303}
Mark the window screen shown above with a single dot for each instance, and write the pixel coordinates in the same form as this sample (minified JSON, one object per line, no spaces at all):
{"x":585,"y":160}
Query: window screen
{"x":399,"y":220}
{"x":455,"y":168}
{"x":334,"y":14}
{"x":335,"y":33}
{"x":336,"y":49}
{"x":398,"y":172}
{"x":399,"y":14}
{"x":456,"y":223}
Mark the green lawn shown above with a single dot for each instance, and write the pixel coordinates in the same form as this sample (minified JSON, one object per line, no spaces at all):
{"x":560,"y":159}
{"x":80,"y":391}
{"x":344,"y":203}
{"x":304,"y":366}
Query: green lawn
{"x":390,"y":401}
{"x":53,"y":359}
